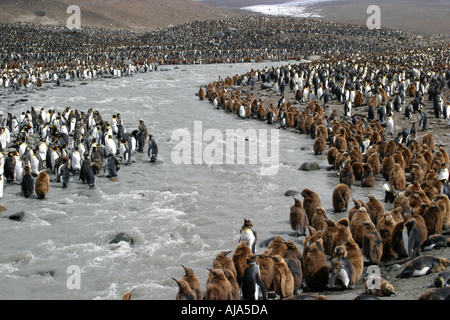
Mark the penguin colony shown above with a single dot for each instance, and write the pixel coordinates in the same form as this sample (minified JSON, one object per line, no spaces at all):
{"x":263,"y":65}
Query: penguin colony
{"x":361,"y":147}
{"x":68,"y":146}
{"x":358,"y":72}
{"x":32,"y":55}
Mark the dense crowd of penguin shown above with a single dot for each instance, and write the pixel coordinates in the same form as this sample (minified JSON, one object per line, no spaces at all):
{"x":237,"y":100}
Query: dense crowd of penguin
{"x":68,"y":146}
{"x":378,"y":69}
{"x":361,"y":147}
{"x":31,"y":54}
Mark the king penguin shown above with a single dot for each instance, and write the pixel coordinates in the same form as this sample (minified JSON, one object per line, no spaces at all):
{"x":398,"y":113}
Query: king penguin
{"x":252,"y":283}
{"x":27,"y":184}
{"x":152,"y":149}
{"x":248,"y":235}
{"x":411,"y":238}
{"x":342,"y":269}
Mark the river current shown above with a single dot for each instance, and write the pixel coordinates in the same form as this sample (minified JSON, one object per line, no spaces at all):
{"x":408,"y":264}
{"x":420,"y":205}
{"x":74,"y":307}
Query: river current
{"x":176,"y":213}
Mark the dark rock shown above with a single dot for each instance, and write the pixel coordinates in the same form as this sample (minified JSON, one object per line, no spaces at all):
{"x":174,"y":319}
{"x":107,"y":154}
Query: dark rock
{"x":291,"y":193}
{"x":122,"y":237}
{"x":309,"y":166}
{"x":17,"y":216}
{"x":266,"y":85}
{"x":50,"y":273}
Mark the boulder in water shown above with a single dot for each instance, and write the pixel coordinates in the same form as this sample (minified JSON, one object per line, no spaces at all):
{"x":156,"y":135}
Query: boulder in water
{"x":122,"y":236}
{"x":17,"y":216}
{"x":309,"y":166}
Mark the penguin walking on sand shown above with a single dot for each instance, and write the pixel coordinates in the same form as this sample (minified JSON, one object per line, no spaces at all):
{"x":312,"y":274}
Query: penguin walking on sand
{"x":409,"y":111}
{"x":423,"y":120}
{"x":372,"y":246}
{"x":348,"y":108}
{"x":390,"y":126}
{"x":411,"y":238}
{"x":446,"y":112}
{"x":252,"y":283}
{"x":218,"y":287}
{"x":248,"y":235}
{"x":283,"y":281}
{"x":152,"y":151}
{"x":298,"y":218}
{"x":342,"y":270}
{"x":371,"y":113}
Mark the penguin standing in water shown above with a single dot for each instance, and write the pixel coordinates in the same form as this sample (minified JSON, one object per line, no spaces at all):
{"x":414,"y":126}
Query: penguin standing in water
{"x":64,"y":173}
{"x":112,"y":166}
{"x":248,"y":235}
{"x":84,"y":168}
{"x":141,"y":136}
{"x":75,"y":160}
{"x":110,"y":146}
{"x":10,"y":167}
{"x":91,"y":174}
{"x":152,"y":149}
{"x":27,"y":184}
{"x":252,"y":283}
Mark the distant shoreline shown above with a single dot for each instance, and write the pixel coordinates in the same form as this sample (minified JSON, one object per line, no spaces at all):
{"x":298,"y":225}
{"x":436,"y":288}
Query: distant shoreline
{"x":415,"y":16}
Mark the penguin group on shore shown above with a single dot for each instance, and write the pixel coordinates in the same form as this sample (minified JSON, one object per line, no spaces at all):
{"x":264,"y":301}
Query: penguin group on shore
{"x":336,"y":253}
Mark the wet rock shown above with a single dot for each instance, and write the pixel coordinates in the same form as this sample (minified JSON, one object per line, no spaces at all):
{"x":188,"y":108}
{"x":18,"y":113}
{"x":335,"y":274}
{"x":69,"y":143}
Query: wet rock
{"x":17,"y":216}
{"x":266,"y":85}
{"x":309,"y":166}
{"x":50,"y":273}
{"x":123,"y":236}
{"x":291,"y":193}
{"x":219,"y":34}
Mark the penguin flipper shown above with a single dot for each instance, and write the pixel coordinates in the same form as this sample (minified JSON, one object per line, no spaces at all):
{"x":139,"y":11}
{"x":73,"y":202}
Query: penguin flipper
{"x":262,"y":286}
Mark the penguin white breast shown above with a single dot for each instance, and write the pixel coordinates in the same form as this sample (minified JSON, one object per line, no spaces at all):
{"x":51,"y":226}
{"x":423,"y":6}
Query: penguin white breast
{"x":421,"y":272}
{"x":343,"y":276}
{"x":405,"y":238}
